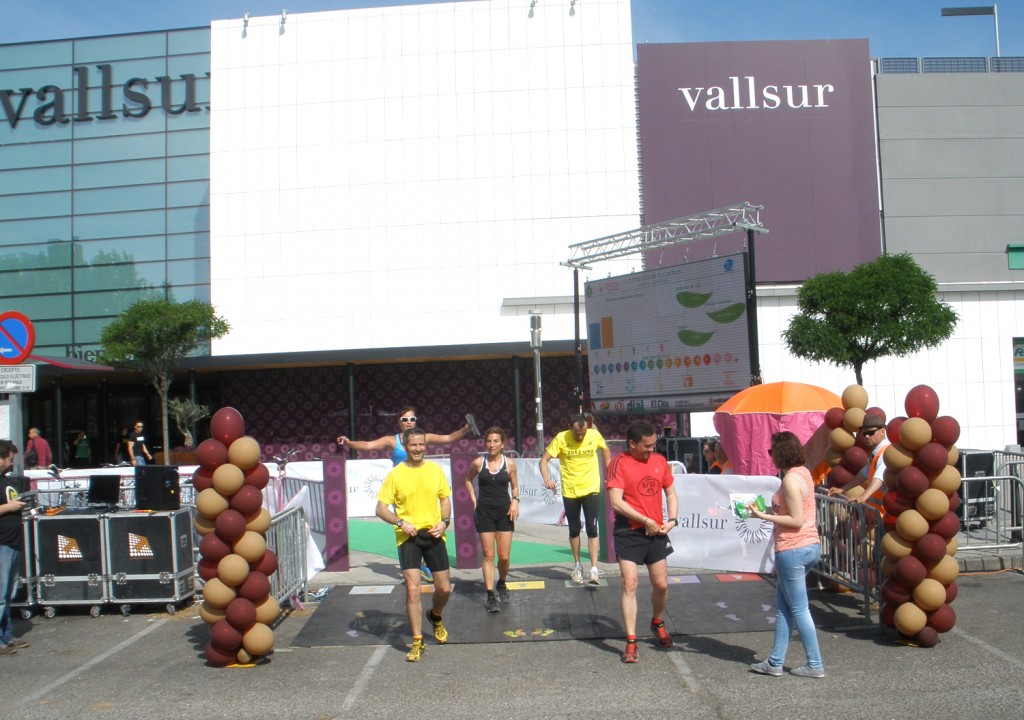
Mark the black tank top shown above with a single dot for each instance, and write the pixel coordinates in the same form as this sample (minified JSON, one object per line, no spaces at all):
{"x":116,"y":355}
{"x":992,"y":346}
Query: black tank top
{"x":494,"y":486}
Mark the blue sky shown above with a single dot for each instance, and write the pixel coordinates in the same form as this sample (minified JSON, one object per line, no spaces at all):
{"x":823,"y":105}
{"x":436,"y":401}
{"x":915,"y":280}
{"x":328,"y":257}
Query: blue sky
{"x":894,"y":28}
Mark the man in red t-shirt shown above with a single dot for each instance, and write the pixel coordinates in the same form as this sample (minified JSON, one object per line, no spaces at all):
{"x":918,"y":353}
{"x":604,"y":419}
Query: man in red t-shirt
{"x":636,"y":481}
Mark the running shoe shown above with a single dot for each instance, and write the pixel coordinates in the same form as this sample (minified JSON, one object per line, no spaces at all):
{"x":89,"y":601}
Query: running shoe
{"x":440,"y":631}
{"x":425,"y":572}
{"x":631,"y":655}
{"x":766,"y":668}
{"x":8,"y":649}
{"x":664,"y":639}
{"x":501,"y":590}
{"x":808,"y":671}
{"x":416,"y":651}
{"x":492,"y":604}
{"x":594,"y":578}
{"x":577,"y":575}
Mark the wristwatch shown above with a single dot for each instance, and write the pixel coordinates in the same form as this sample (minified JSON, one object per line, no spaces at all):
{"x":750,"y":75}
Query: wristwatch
{"x":516,"y":498}
{"x":400,"y":523}
{"x":446,"y":521}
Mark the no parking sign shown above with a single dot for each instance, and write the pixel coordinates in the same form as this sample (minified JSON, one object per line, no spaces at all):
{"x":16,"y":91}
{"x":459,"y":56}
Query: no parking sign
{"x":17,"y":337}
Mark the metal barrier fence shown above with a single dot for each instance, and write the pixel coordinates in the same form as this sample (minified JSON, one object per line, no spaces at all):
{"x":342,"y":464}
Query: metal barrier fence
{"x":290,"y":488}
{"x":287,"y":538}
{"x":851,"y":547}
{"x":991,"y":508}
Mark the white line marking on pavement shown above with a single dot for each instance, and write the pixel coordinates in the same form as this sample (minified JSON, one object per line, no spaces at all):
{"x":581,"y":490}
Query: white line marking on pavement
{"x":364,"y":677}
{"x":684,"y":670}
{"x":92,"y":663}
{"x":995,"y":651}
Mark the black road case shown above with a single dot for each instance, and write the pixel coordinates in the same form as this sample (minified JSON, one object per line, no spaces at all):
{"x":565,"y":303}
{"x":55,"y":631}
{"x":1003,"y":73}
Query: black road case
{"x":70,"y":561}
{"x":149,"y":558}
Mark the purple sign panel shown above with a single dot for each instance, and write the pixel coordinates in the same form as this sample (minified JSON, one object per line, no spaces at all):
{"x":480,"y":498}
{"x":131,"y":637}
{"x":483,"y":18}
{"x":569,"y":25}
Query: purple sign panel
{"x":787,"y":125}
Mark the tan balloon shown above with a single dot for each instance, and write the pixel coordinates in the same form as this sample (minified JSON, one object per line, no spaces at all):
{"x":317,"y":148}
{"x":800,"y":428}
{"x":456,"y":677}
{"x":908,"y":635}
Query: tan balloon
{"x":243,"y":657}
{"x":258,"y":640}
{"x":954,"y":455}
{"x":210,"y":614}
{"x":915,"y":433}
{"x":842,"y":439}
{"x":952,"y":545}
{"x":258,"y":522}
{"x":233,"y":569}
{"x":244,"y":452}
{"x":932,"y":503}
{"x":911,"y":525}
{"x":210,"y":503}
{"x":228,"y":479}
{"x":895,"y":547}
{"x":833,"y":457}
{"x":204,"y":526}
{"x":945,"y":570}
{"x":897,"y":457}
{"x":218,"y":594}
{"x":948,"y":480}
{"x":268,"y":610}
{"x":853,"y":419}
{"x":251,"y":546}
{"x":929,"y":594}
{"x":909,"y":618}
{"x":855,"y":396}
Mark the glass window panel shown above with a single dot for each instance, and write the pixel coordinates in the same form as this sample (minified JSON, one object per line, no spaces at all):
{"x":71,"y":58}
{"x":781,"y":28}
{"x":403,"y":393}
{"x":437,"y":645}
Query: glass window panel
{"x":152,"y":122}
{"x":190,"y":121}
{"x":35,"y":282}
{"x":188,"y":272}
{"x":52,"y":332}
{"x":188,"y":245}
{"x":185,"y":220}
{"x":131,"y":147}
{"x":126,"y":172}
{"x":132,"y":197}
{"x":38,"y":54}
{"x":45,"y":307}
{"x":19,"y":232}
{"x":192,"y":40}
{"x":107,"y":304}
{"x":33,"y":257}
{"x":190,"y":292}
{"x":188,"y":194}
{"x":122,"y":250}
{"x":189,"y":167}
{"x":197,"y":63}
{"x":119,"y":277}
{"x":120,"y":47}
{"x":121,"y":71}
{"x":37,"y":155}
{"x":188,"y":142}
{"x":35,"y":205}
{"x":33,"y":78}
{"x":88,"y":331}
{"x":27,"y":131}
{"x":129,"y":224}
{"x":33,"y":180}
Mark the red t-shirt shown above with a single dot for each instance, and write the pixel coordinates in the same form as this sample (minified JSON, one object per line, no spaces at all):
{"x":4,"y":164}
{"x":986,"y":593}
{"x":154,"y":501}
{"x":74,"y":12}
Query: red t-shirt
{"x":643,"y":485}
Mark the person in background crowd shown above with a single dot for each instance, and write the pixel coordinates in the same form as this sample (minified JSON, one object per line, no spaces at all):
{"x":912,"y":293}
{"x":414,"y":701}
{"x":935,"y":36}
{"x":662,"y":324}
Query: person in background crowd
{"x":797,"y":549}
{"x":121,"y":454}
{"x":37,"y":451}
{"x":81,"y":452}
{"x":138,"y":452}
{"x":12,"y":545}
{"x":872,"y":434}
{"x":709,"y":458}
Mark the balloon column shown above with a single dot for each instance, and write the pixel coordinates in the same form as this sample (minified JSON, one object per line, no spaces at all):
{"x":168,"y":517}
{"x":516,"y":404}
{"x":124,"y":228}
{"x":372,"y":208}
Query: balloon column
{"x":921,"y":502}
{"x":235,"y":562}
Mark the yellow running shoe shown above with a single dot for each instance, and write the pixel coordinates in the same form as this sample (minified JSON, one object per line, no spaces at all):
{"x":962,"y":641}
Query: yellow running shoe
{"x":416,"y":652}
{"x":440,"y":632}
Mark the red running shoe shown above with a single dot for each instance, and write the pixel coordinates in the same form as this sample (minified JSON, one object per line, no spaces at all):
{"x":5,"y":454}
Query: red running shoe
{"x":631,"y":655}
{"x":664,"y":639}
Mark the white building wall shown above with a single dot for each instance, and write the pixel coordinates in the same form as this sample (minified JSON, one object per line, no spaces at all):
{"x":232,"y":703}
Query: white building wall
{"x":387,"y":177}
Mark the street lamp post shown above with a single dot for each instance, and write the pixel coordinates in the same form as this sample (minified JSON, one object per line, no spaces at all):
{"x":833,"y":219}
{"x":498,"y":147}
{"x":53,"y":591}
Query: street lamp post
{"x":992,"y":10}
{"x":535,"y":343}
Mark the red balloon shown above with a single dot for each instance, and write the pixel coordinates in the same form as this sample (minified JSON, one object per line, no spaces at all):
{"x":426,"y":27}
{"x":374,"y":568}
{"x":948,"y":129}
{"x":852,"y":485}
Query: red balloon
{"x":892,"y":430}
{"x":922,"y":402}
{"x":928,"y":637}
{"x":943,"y":618}
{"x":839,"y":476}
{"x":954,"y":502}
{"x":202,"y":480}
{"x":229,"y":526}
{"x":930,"y":548}
{"x":227,"y":425}
{"x":889,"y":521}
{"x":931,"y":458}
{"x":888,"y":614}
{"x":247,"y":500}
{"x":258,"y":476}
{"x":207,"y":569}
{"x":256,"y":587}
{"x":945,"y":430}
{"x":225,"y":636}
{"x":895,"y":592}
{"x":854,"y":459}
{"x":895,"y":502}
{"x":911,"y":482}
{"x":211,"y":454}
{"x":834,"y":417}
{"x":909,"y":571}
{"x":861,"y":442}
{"x":952,"y":590}
{"x":946,"y":526}
{"x":241,"y":614}
{"x":267,"y":564}
{"x":213,"y":549}
{"x":217,"y":657}
{"x":876,"y":411}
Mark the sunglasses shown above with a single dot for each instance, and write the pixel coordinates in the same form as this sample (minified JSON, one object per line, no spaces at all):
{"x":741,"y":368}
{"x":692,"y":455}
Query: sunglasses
{"x":868,"y":433}
{"x":411,"y":418}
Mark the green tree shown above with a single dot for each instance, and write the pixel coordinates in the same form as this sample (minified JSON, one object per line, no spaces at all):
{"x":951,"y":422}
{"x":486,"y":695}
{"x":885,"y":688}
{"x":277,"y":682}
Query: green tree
{"x":186,"y":412}
{"x":881,"y":308}
{"x":152,"y":336}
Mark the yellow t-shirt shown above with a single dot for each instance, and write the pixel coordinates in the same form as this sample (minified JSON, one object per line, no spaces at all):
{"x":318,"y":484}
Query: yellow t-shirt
{"x":581,"y":474}
{"x":415,"y":492}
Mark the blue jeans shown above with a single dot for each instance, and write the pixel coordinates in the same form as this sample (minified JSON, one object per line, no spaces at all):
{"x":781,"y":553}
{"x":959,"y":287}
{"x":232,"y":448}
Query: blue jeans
{"x":791,"y":606}
{"x":10,"y":570}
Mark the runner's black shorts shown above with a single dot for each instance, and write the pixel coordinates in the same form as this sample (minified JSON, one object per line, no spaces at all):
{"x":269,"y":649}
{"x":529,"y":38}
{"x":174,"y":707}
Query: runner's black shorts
{"x":635,"y":546}
{"x":435,"y":555}
{"x":493,"y":519}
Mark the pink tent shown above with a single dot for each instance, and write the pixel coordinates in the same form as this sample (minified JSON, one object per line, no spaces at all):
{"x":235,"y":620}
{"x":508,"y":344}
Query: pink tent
{"x":747,"y":420}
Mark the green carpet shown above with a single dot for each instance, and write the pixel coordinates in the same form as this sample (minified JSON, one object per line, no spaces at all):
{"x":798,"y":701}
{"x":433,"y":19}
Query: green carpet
{"x":378,"y":538}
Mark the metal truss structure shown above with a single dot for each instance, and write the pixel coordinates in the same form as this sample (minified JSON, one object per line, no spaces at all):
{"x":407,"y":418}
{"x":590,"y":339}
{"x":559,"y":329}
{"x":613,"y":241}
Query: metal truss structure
{"x":742,"y":216}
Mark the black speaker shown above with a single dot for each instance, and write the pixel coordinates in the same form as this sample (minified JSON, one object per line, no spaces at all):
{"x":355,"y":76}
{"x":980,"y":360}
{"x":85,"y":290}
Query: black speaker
{"x":157,"y":487}
{"x":977,"y":497}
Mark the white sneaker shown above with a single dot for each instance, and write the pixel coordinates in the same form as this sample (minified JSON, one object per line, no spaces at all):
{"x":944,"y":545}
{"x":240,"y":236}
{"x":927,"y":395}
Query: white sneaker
{"x":577,"y":575}
{"x":594,"y":579}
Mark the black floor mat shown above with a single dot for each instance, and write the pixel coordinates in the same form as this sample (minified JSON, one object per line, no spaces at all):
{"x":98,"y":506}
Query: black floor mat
{"x":543,"y":610}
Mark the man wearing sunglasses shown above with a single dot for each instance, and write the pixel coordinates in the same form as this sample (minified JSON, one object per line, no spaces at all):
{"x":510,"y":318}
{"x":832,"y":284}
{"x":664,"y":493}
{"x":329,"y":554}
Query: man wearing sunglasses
{"x":871,"y":437}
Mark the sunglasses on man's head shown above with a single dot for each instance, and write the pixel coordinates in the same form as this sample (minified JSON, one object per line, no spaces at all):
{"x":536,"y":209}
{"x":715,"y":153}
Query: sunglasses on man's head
{"x":411,"y":418}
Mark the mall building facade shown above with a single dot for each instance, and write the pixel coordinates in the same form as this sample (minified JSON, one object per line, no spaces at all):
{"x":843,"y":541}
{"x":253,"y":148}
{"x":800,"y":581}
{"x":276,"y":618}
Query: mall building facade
{"x":377,"y":200}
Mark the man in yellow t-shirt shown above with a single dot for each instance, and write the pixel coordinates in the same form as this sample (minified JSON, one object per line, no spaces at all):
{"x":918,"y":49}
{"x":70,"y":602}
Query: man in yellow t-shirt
{"x":576,"y":450}
{"x":416,"y":499}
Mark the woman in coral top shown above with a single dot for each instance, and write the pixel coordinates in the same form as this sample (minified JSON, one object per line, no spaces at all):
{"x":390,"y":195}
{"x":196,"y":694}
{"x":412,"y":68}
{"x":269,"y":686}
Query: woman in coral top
{"x":797,"y":550}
